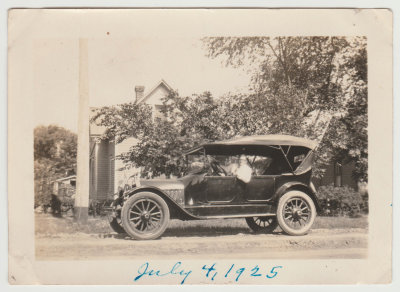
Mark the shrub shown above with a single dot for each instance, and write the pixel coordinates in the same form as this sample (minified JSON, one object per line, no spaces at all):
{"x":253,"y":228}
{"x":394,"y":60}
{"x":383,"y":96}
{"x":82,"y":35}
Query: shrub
{"x":342,"y":201}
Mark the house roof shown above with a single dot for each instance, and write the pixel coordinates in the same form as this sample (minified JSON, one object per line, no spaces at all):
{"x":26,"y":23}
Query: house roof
{"x":95,"y":130}
{"x":161,"y":83}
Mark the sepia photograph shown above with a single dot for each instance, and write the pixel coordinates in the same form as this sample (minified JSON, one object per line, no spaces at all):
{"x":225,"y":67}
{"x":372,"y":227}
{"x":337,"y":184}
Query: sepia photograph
{"x":166,"y":148}
{"x":282,"y":152}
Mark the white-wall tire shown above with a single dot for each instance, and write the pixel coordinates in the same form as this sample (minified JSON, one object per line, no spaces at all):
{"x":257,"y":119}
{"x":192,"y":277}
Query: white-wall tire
{"x":296,"y":212}
{"x":145,"y":216}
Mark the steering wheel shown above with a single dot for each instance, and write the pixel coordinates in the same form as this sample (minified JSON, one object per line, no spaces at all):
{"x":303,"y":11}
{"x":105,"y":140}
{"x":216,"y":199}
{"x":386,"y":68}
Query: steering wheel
{"x":217,"y":169}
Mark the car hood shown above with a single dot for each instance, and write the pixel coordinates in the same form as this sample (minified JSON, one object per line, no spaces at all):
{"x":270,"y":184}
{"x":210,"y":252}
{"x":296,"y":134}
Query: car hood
{"x":163,"y":184}
{"x":174,"y":184}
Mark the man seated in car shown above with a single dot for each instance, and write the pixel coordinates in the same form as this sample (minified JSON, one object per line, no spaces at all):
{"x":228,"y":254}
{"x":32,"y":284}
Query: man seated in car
{"x":243,"y":171}
{"x":232,"y":166}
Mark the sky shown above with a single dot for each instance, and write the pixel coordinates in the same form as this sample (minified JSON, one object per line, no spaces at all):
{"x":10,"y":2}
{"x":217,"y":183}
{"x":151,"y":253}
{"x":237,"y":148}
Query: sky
{"x":116,"y":66}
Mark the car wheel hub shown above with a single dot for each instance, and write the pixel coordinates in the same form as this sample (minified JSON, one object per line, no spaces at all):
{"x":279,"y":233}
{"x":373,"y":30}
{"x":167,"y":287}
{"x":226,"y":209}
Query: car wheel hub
{"x":145,"y":216}
{"x":296,"y":213}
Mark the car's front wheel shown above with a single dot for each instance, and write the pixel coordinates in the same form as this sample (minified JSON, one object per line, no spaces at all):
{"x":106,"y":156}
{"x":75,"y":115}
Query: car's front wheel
{"x":264,"y":224}
{"x":296,"y":212}
{"x":116,"y":225}
{"x":145,"y":216}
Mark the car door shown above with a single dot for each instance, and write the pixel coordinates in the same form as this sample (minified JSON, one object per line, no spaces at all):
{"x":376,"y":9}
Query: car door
{"x":221,"y":189}
{"x":260,"y":188}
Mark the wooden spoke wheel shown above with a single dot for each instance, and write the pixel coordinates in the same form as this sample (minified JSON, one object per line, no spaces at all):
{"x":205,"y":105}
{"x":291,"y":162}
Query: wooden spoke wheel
{"x":264,"y":224}
{"x":296,"y":213}
{"x":145,"y":216}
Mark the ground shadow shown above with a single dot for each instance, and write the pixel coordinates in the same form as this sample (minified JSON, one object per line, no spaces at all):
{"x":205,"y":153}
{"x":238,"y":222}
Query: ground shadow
{"x":200,"y":232}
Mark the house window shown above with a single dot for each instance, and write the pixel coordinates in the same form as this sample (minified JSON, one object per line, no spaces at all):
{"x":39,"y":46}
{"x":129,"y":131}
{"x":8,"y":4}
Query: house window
{"x":158,"y":112}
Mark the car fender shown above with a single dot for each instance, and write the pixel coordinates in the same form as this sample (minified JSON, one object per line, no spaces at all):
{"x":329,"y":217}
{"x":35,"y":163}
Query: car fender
{"x":300,"y":187}
{"x":176,"y":209}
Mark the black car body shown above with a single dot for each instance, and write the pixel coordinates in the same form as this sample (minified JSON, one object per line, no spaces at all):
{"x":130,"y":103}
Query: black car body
{"x":279,"y":190}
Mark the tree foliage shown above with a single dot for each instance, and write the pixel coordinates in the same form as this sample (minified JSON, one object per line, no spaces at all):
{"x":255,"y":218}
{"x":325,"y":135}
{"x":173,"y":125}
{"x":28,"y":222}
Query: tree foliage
{"x":55,"y":150}
{"x":310,"y":87}
{"x":342,"y":201}
{"x":124,"y":120}
{"x":318,"y":79}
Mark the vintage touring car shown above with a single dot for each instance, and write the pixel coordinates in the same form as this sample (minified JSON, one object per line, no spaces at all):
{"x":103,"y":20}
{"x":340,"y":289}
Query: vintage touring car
{"x":278,"y":190}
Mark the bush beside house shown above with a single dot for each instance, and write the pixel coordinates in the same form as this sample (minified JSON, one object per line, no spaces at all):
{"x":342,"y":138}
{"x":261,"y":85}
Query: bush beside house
{"x":342,"y":201}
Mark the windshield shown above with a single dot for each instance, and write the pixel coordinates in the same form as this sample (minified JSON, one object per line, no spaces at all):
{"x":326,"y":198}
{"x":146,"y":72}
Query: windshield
{"x":195,"y":163}
{"x":225,"y":165}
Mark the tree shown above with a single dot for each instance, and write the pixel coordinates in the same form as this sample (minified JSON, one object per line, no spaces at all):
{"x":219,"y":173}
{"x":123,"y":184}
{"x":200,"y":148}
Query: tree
{"x":308,"y":83}
{"x":55,"y":151}
{"x":352,"y":124}
{"x":124,"y":120}
{"x":188,"y":121}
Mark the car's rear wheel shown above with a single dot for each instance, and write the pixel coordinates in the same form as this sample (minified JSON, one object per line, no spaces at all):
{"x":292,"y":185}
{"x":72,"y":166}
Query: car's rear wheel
{"x":145,"y":216}
{"x":296,"y":213}
{"x":264,"y":224}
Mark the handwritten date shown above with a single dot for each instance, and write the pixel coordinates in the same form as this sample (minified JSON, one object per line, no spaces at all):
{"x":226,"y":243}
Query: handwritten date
{"x":208,"y":271}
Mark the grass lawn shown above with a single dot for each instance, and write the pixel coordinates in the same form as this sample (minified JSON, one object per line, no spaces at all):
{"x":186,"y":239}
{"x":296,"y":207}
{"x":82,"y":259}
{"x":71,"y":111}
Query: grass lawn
{"x":341,"y":222}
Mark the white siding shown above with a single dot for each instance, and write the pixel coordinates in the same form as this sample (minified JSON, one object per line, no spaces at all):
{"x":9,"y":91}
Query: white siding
{"x":155,"y":97}
{"x":124,"y":146}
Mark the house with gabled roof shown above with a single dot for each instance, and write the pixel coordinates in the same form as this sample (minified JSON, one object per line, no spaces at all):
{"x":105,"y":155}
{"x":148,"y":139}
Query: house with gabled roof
{"x":106,"y":173}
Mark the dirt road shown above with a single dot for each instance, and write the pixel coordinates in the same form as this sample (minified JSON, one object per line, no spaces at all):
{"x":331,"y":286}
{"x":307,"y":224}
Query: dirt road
{"x":320,"y":243}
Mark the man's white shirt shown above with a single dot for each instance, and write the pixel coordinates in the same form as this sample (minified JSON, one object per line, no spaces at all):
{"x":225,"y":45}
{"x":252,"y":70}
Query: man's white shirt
{"x":244,"y":173}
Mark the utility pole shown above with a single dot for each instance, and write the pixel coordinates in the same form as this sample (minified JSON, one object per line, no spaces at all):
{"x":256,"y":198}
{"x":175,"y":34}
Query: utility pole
{"x":82,"y":182}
